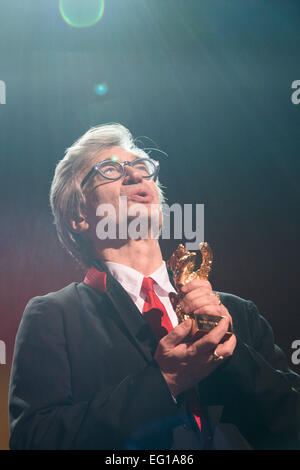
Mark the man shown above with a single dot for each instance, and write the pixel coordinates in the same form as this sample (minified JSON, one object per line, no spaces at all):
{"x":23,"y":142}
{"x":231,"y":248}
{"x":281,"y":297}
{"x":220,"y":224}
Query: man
{"x":91,"y":370}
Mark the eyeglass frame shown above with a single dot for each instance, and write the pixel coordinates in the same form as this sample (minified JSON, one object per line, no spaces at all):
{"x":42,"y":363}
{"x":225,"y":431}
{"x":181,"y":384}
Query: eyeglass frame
{"x":95,"y":169}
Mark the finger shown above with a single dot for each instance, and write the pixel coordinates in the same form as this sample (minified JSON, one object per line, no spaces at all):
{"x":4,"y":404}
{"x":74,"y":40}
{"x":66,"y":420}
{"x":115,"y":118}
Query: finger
{"x":209,"y":310}
{"x":197,"y":299}
{"x":176,"y":335}
{"x":225,"y":312}
{"x":211,"y":340}
{"x":226,"y":349}
{"x":196,"y":283}
{"x":199,"y":292}
{"x":225,"y":309}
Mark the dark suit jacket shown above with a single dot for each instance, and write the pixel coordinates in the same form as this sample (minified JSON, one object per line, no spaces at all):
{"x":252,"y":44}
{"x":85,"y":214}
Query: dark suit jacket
{"x":84,"y":377}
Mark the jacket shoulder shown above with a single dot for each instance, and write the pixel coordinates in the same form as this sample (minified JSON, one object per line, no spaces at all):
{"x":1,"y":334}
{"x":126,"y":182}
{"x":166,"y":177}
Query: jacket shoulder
{"x":43,"y":320}
{"x":56,"y":300}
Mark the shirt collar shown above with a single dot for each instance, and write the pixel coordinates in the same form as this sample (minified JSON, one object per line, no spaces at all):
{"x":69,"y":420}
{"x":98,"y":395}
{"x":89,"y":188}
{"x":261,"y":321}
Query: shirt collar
{"x":131,"y":279}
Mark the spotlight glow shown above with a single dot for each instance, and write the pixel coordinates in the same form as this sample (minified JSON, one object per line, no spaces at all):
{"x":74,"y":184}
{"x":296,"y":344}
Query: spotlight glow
{"x":81,"y":14}
{"x":100,"y":89}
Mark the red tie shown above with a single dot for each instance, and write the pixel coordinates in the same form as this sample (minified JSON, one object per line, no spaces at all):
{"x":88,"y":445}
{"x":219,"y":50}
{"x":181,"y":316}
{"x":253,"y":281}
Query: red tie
{"x":158,"y":319}
{"x":154,"y":311}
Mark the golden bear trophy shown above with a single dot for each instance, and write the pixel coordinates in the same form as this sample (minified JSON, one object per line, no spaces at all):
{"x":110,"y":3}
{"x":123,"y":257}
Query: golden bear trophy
{"x":182,"y":266}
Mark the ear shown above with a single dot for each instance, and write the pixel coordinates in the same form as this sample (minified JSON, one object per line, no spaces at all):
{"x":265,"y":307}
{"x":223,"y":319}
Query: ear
{"x":80,"y":225}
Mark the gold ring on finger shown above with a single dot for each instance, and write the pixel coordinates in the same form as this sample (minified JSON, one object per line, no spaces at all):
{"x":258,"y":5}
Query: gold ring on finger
{"x":217,"y":357}
{"x":218,"y":297}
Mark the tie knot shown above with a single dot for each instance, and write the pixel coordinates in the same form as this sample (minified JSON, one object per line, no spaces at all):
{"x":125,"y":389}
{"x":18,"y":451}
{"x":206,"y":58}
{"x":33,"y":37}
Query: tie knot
{"x":147,"y":285}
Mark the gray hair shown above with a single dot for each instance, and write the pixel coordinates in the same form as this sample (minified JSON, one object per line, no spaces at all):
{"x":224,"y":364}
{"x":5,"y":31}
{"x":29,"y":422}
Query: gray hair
{"x":66,"y":196}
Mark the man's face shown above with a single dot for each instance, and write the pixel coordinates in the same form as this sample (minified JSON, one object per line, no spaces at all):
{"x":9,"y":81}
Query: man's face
{"x":139,"y":192}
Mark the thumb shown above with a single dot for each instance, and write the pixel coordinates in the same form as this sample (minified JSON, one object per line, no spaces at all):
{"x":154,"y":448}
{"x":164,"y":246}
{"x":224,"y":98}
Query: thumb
{"x":177,"y":334}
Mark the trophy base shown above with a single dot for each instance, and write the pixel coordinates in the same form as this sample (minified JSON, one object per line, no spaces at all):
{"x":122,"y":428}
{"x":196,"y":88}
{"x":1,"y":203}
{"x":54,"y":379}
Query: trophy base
{"x":204,"y":323}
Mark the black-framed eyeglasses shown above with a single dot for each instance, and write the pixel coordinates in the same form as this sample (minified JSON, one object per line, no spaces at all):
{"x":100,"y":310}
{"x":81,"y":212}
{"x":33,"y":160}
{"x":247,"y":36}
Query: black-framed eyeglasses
{"x":114,"y":170}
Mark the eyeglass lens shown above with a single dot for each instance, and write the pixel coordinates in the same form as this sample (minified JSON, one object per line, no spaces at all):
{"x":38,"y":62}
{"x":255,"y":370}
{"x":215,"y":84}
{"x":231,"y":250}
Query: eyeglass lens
{"x":114,"y":170}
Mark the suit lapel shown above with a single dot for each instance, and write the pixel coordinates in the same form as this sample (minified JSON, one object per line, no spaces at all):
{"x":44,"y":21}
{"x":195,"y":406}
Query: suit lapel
{"x":129,"y":315}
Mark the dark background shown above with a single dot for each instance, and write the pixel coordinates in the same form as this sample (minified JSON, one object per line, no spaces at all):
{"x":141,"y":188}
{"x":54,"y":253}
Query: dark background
{"x":209,"y":81}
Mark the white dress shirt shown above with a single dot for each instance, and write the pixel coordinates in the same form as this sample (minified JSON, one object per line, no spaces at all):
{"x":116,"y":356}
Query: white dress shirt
{"x":131,"y":280}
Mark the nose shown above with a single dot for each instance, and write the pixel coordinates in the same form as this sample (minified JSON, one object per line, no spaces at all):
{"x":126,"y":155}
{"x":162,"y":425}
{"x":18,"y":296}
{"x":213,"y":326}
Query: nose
{"x":132,"y":175}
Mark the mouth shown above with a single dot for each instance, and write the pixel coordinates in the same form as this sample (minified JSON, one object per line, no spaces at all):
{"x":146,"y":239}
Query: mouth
{"x":140,"y":195}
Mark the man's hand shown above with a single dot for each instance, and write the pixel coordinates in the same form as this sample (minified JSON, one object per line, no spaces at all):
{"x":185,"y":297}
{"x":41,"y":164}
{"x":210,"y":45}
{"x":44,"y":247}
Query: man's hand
{"x":199,"y":298}
{"x":183,"y":364}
